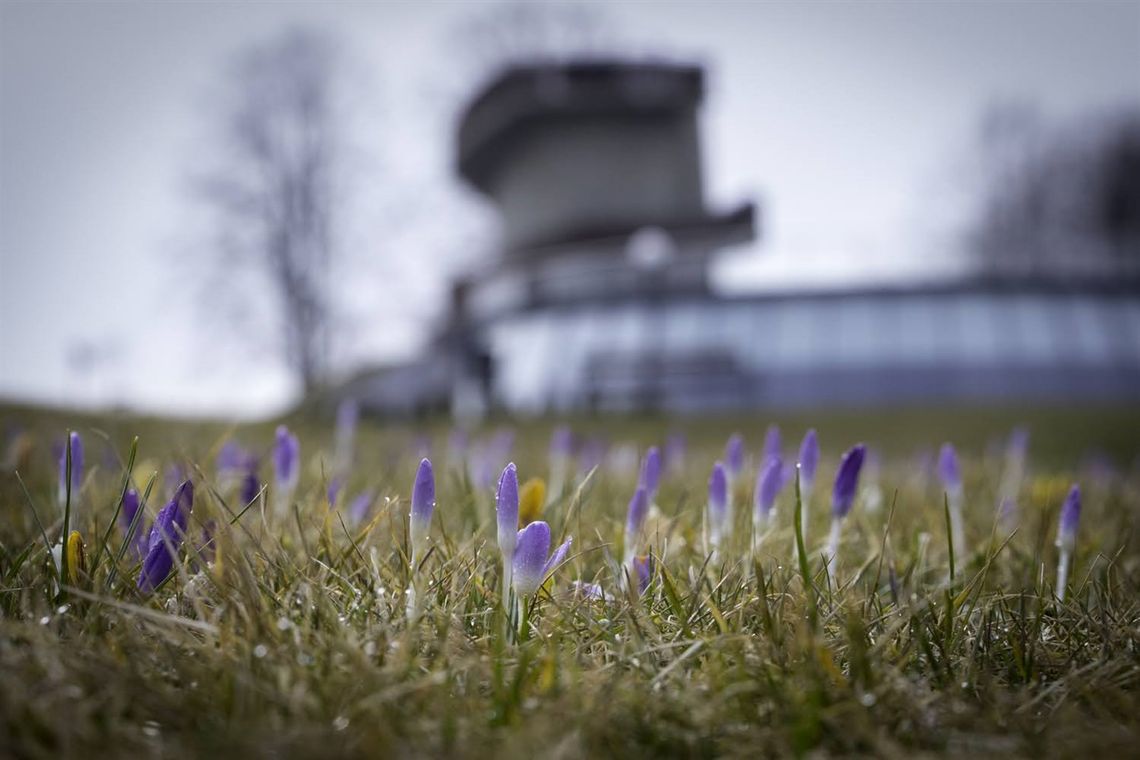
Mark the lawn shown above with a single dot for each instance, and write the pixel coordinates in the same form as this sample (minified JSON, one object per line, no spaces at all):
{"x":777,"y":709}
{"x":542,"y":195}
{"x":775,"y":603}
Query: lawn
{"x":284,"y":625}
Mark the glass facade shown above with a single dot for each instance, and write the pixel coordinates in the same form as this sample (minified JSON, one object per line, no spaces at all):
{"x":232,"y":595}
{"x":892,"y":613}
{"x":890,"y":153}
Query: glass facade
{"x":818,"y":345}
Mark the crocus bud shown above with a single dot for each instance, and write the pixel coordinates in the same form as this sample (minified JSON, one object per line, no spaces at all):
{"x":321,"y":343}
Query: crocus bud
{"x":642,"y":572}
{"x":734,"y":455}
{"x":75,"y":445}
{"x":531,"y":565}
{"x":635,"y":520}
{"x":334,"y":489}
{"x":561,"y":443}
{"x":847,"y":481}
{"x":423,"y":504}
{"x":718,"y":504}
{"x":360,"y":506}
{"x":76,"y":559}
{"x":1067,"y":537}
{"x":532,"y":500}
{"x":948,"y":471}
{"x":166,"y":537}
{"x":771,"y":444}
{"x":651,"y":472}
{"x":127,"y":515}
{"x":809,"y":460}
{"x":951,"y":476}
{"x":768,"y":486}
{"x":507,"y":510}
{"x":286,"y":460}
{"x":1070,"y":518}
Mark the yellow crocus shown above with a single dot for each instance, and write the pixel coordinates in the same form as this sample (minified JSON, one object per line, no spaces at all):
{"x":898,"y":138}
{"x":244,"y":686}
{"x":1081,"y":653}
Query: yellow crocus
{"x":532,"y":498}
{"x":76,"y":558}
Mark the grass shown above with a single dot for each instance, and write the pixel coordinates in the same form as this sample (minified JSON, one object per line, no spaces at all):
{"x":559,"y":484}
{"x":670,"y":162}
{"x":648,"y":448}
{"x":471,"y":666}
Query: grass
{"x":295,"y":641}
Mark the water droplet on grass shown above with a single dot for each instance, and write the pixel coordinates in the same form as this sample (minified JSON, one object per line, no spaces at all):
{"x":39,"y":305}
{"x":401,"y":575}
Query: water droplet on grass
{"x":260,"y":651}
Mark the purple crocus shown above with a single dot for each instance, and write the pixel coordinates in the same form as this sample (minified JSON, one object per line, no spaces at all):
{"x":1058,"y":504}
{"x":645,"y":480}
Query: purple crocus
{"x":360,"y":506}
{"x":847,"y":481}
{"x":651,"y":472}
{"x":635,"y":521}
{"x":531,"y":565}
{"x":771,"y":444}
{"x":231,"y":463}
{"x":642,"y":572}
{"x":809,"y":461}
{"x":336,"y":485}
{"x":561,"y":443}
{"x":951,"y":476}
{"x":286,"y":461}
{"x":843,"y":496}
{"x":75,"y":446}
{"x":250,"y":484}
{"x":1067,"y":537}
{"x":768,"y":486}
{"x":948,"y":470}
{"x":507,"y":519}
{"x":1070,"y":518}
{"x":166,"y":537}
{"x":130,"y":510}
{"x":423,"y":504}
{"x":734,"y":455}
{"x":719,"y":518}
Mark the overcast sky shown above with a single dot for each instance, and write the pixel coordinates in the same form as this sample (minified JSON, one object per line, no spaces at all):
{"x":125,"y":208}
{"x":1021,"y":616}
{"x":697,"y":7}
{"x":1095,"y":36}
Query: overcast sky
{"x":851,"y":125}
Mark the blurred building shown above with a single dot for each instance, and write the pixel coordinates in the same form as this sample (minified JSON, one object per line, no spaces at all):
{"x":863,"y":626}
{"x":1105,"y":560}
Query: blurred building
{"x":599,"y":298}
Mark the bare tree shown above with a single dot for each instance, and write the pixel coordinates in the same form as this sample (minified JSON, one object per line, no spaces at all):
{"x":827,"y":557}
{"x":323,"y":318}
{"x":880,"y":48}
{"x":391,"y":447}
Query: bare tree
{"x":271,"y":190}
{"x":1060,"y":199}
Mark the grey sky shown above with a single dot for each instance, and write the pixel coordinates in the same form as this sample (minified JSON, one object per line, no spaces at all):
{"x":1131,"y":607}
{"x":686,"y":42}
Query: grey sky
{"x":849,"y":122}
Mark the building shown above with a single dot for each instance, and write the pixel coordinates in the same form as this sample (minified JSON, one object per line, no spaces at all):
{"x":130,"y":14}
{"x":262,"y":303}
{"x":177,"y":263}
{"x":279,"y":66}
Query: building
{"x":600,"y":297}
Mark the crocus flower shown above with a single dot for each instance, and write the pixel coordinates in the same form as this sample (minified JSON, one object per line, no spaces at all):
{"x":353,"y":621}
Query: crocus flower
{"x":76,"y":559}
{"x":532,"y":501}
{"x":642,"y":568}
{"x":231,"y":464}
{"x":359,"y":507}
{"x":419,"y":523}
{"x":75,"y":446}
{"x":634,"y":522}
{"x":771,"y":444}
{"x":592,"y":591}
{"x":651,"y":473}
{"x":332,"y":493}
{"x":734,"y":456}
{"x":507,"y":523}
{"x":166,"y":537}
{"x":286,"y":464}
{"x":719,"y":518}
{"x":1067,"y":537}
{"x":1012,"y":475}
{"x":531,"y":565}
{"x":250,"y":484}
{"x":127,"y":521}
{"x":950,"y":475}
{"x":423,"y":504}
{"x":843,"y":495}
{"x":768,"y":485}
{"x":808,"y":463}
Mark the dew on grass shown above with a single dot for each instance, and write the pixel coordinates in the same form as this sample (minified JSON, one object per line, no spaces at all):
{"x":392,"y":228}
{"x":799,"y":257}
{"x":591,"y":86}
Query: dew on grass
{"x":260,"y":651}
